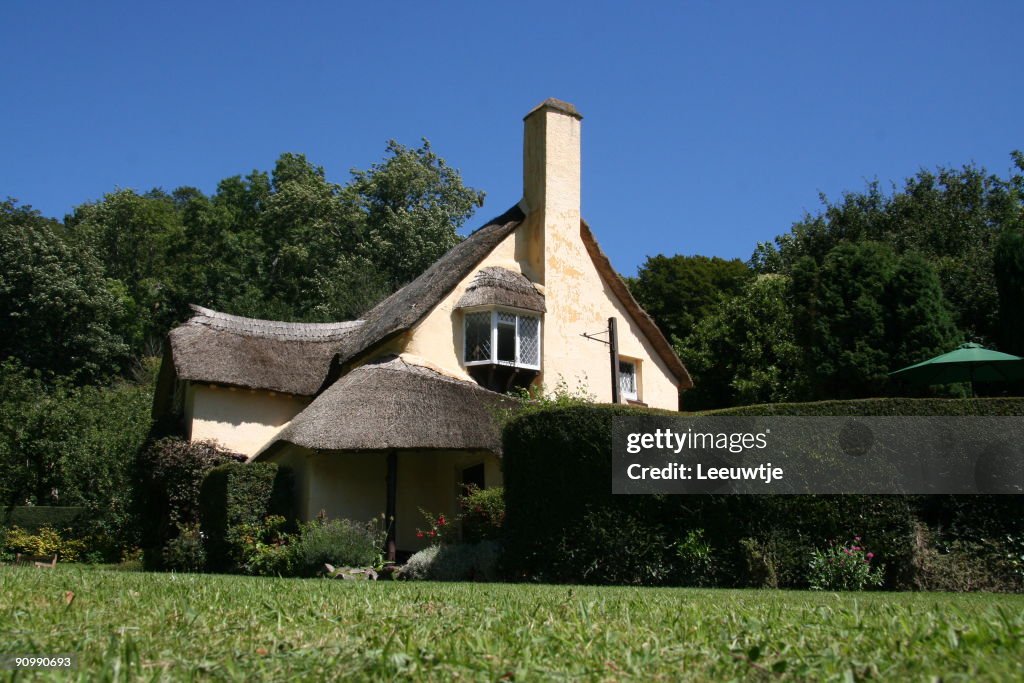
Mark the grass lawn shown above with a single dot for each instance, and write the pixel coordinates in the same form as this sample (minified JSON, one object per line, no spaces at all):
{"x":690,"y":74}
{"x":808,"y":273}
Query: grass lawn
{"x":127,"y":625}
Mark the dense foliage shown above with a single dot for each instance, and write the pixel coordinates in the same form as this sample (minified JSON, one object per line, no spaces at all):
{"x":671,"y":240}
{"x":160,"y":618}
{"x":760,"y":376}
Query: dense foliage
{"x":238,"y":494}
{"x":60,"y":313}
{"x":168,"y":477}
{"x":564,"y":524}
{"x":679,"y":291}
{"x":62,"y":445}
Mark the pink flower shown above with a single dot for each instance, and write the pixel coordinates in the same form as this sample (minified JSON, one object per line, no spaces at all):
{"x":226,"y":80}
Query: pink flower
{"x":870,"y":555}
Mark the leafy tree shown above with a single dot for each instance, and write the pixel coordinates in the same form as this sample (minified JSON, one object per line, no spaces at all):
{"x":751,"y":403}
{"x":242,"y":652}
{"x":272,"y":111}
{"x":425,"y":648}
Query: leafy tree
{"x":919,"y":322}
{"x":951,"y":217}
{"x":58,"y":313}
{"x":411,"y":206}
{"x":864,"y":312}
{"x":1009,"y":274}
{"x":678,"y":291}
{"x":743,"y":351}
{"x":133,"y":235}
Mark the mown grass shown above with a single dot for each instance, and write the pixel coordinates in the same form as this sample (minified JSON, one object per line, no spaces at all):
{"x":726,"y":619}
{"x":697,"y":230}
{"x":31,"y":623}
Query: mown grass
{"x":128,"y":626}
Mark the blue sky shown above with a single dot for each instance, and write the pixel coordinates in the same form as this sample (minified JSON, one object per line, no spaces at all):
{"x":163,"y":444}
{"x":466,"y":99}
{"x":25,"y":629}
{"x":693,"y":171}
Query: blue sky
{"x":708,"y":126}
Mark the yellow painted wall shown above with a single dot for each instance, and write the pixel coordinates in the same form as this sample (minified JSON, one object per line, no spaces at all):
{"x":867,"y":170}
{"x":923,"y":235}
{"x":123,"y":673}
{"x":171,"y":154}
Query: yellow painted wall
{"x":353,"y":485}
{"x":241,"y":420}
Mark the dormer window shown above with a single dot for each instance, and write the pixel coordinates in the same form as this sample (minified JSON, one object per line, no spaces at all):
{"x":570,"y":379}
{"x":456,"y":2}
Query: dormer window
{"x":501,"y":312}
{"x":502,"y":337}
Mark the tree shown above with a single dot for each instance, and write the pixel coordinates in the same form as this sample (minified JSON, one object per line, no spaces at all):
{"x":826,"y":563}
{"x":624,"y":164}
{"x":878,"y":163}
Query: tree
{"x":919,"y":322}
{"x":58,"y":313}
{"x":410,"y":207}
{"x":679,"y":291}
{"x":864,"y":312}
{"x":952,"y":218}
{"x":133,"y":235}
{"x":743,"y":351}
{"x":1009,"y":275}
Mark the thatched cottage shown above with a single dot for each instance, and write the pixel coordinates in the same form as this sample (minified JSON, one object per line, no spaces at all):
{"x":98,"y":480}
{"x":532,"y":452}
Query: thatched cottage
{"x":394,"y":412}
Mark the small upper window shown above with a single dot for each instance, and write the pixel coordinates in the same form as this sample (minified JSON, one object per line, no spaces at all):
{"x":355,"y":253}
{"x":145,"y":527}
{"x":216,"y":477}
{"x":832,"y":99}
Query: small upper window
{"x":628,"y":380}
{"x":502,"y":338}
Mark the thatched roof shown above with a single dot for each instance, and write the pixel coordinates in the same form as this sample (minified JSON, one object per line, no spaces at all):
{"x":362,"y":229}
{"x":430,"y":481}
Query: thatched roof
{"x":227,"y":349}
{"x":392,"y":404}
{"x":406,"y":307}
{"x":495,"y":286}
{"x":638,"y":314}
{"x":296,"y":358}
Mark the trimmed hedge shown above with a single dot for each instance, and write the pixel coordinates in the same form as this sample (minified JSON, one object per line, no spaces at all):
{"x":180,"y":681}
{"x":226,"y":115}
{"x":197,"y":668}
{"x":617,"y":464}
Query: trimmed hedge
{"x":236,"y":494}
{"x":32,"y":518}
{"x":880,"y":407}
{"x":168,"y":475}
{"x":564,"y":525}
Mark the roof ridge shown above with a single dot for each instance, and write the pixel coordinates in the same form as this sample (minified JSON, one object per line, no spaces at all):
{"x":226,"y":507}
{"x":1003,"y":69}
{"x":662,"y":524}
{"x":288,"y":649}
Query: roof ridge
{"x":276,"y":329}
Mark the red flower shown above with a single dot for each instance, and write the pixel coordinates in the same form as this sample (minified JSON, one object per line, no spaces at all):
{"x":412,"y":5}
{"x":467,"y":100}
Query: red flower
{"x":441,"y":520}
{"x":419,"y":534}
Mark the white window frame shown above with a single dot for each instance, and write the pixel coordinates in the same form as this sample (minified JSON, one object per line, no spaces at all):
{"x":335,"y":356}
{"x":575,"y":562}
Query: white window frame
{"x":493,"y":360}
{"x":634,"y":395}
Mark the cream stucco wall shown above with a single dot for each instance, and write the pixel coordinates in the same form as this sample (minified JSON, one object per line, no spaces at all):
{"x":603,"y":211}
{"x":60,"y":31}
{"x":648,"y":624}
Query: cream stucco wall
{"x":353,"y":485}
{"x":241,"y":420}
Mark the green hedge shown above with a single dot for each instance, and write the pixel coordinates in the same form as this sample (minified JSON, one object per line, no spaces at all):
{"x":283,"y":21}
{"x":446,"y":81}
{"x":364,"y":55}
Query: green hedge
{"x":563,"y":524}
{"x":235,"y":494}
{"x":34,"y":517}
{"x":875,"y":407}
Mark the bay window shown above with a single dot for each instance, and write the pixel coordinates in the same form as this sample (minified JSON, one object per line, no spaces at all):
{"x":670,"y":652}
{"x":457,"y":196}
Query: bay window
{"x":500,"y":337}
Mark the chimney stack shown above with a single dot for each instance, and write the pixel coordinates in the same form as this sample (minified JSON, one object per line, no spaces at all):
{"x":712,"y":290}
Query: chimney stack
{"x":551,"y":177}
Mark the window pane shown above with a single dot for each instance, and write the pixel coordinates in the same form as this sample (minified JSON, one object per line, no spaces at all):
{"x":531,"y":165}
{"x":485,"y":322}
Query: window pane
{"x":478,"y":336}
{"x":529,"y":340}
{"x":506,"y":338}
{"x":627,"y":378}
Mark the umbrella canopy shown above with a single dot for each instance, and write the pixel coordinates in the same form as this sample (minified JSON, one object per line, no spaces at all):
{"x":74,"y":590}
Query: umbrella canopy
{"x":968,"y":363}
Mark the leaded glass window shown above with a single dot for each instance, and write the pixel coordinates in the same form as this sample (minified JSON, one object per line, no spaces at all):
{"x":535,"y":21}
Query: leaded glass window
{"x":478,"y":336}
{"x":502,"y":338}
{"x":529,"y":340}
{"x":627,"y":379}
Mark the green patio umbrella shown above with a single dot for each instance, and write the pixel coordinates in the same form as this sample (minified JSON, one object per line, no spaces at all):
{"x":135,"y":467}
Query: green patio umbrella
{"x":968,"y":363}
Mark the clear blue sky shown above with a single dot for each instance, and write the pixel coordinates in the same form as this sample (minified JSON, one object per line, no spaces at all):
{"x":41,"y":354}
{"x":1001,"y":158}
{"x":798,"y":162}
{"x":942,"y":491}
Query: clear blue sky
{"x":708,"y":126}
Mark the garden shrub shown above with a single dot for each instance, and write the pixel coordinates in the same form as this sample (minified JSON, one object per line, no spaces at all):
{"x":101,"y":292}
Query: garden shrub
{"x":697,"y":564}
{"x":261,"y":548}
{"x":847,"y":567}
{"x":563,"y":523}
{"x":168,"y":475}
{"x":185,"y":552}
{"x":340,"y":542}
{"x":45,"y":542}
{"x":455,"y":562}
{"x":417,"y":567}
{"x":236,"y":494}
{"x":483,"y":513}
